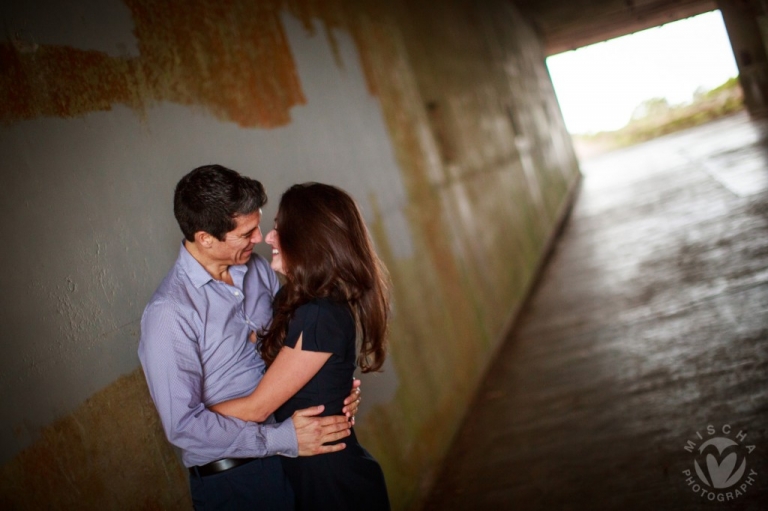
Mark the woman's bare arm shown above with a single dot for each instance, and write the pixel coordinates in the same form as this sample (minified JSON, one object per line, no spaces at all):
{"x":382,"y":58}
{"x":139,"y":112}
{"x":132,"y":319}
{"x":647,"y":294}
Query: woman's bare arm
{"x":290,"y":371}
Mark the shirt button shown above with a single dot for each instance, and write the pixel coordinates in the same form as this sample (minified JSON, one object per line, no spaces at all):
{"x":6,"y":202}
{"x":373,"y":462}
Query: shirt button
{"x":237,"y":293}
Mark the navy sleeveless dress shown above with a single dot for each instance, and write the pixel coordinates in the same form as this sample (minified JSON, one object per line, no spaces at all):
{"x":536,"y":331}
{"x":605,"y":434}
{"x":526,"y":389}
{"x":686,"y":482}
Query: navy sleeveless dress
{"x":350,"y":479}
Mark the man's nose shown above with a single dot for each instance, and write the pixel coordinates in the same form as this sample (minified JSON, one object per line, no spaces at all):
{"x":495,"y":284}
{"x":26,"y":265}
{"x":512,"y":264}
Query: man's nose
{"x":256,"y":237}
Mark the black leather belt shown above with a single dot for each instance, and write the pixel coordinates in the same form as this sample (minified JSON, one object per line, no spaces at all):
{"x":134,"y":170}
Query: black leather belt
{"x":218,"y":466}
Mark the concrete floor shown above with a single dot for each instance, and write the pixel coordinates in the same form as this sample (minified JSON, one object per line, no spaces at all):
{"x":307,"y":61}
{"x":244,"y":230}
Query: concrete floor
{"x":649,"y":324}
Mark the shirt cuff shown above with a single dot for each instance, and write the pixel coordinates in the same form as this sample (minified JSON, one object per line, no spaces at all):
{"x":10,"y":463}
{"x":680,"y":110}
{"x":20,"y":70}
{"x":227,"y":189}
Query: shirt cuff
{"x":281,"y":440}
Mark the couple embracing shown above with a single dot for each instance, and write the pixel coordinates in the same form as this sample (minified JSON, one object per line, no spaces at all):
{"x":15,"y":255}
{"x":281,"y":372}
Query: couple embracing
{"x":253,"y":381}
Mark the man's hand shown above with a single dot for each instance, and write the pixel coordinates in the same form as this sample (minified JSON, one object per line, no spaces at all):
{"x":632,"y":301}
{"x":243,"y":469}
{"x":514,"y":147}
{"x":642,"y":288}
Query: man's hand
{"x":312,"y":431}
{"x":352,"y":403}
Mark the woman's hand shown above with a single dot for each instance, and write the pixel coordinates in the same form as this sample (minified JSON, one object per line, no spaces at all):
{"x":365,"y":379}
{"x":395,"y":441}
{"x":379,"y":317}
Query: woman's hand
{"x":352,"y":402}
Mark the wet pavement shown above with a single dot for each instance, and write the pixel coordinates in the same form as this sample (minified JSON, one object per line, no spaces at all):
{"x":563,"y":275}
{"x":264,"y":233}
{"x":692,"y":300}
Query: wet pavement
{"x":645,"y":338}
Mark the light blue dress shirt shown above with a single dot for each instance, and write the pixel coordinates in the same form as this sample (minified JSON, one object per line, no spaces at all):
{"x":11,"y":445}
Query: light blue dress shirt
{"x":195,"y":352}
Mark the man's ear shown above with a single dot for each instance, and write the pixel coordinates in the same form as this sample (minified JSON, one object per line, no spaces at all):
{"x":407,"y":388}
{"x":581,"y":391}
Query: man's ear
{"x":204,"y":239}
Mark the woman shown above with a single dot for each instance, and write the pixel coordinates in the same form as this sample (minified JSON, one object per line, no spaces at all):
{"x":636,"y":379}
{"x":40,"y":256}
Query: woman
{"x":336,"y":290}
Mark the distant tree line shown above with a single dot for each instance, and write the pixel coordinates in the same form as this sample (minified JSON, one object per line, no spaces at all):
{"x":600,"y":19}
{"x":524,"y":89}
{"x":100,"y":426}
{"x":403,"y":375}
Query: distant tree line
{"x":655,"y":117}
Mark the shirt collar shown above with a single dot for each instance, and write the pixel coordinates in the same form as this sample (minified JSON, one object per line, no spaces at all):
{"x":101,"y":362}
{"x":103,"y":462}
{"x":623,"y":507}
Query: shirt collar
{"x":192,"y":268}
{"x":199,"y":276}
{"x":237,"y":271}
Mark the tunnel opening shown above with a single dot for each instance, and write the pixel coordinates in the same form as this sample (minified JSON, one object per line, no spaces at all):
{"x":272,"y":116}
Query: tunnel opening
{"x":641,"y":323}
{"x":636,"y":87}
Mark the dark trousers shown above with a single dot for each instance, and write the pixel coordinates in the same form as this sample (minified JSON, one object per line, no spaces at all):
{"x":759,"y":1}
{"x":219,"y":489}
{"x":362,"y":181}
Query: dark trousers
{"x":259,"y":484}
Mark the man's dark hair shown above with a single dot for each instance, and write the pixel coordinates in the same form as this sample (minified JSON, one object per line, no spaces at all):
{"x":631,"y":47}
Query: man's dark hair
{"x":210,"y":197}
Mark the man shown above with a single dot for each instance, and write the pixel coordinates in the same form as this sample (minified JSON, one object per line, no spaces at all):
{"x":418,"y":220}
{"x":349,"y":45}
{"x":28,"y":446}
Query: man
{"x":197,"y":348}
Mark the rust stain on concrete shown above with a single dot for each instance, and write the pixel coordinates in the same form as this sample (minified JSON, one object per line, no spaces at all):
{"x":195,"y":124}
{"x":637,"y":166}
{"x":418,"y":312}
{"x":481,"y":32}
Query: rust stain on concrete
{"x":110,"y":453}
{"x":61,"y":82}
{"x":230,"y":57}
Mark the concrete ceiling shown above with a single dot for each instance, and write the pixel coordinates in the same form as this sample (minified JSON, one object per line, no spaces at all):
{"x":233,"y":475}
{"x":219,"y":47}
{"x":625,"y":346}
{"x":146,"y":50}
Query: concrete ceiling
{"x":569,"y":24}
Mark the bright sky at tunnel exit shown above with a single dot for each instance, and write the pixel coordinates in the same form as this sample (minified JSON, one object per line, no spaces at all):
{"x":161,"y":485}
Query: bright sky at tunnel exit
{"x":600,"y":85}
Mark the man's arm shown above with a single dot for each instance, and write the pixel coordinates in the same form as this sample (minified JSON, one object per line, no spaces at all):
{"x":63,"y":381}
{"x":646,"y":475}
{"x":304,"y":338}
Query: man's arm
{"x":172,"y":367}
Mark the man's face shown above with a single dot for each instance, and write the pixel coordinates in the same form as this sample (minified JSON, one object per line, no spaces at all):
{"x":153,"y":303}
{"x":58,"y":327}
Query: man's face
{"x":238,"y":243}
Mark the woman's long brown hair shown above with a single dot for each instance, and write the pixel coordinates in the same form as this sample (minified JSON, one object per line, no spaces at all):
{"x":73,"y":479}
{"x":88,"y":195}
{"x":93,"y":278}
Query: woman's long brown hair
{"x":327,"y":252}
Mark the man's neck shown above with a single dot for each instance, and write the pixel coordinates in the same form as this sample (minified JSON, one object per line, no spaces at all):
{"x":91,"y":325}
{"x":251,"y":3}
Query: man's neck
{"x":216,"y":269}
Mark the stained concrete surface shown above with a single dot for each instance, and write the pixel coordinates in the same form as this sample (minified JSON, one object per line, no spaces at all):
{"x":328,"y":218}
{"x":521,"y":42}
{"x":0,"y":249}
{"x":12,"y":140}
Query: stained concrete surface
{"x":646,"y":334}
{"x":442,"y":122}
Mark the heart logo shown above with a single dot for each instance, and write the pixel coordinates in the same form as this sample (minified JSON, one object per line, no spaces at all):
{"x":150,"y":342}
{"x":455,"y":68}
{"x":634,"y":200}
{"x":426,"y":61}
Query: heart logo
{"x":722,"y":474}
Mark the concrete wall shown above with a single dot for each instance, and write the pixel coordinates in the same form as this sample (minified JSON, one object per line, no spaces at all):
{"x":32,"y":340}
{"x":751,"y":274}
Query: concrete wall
{"x":441,"y":122}
{"x":747,"y":25}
